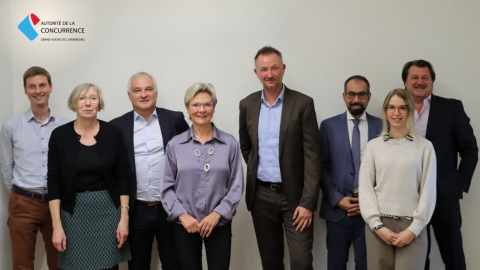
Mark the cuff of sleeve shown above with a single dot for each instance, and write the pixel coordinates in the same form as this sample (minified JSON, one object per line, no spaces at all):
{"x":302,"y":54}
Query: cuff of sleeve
{"x":176,"y":212}
{"x":123,"y":185}
{"x":335,"y":198}
{"x":374,"y":224}
{"x":416,"y":227}
{"x":376,"y":228}
{"x":225,"y":214}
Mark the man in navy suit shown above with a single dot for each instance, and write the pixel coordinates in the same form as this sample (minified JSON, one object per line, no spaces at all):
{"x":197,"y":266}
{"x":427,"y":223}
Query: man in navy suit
{"x":147,"y":131}
{"x":445,"y":123}
{"x":343,"y":139}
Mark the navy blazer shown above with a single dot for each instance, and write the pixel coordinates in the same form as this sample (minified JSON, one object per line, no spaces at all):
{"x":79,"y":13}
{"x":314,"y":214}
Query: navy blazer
{"x":337,"y":163}
{"x":171,"y":124}
{"x":451,"y":134}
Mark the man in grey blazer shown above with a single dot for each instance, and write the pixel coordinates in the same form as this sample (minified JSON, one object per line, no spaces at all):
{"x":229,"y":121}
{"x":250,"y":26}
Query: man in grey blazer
{"x":343,"y":139}
{"x":279,"y":142}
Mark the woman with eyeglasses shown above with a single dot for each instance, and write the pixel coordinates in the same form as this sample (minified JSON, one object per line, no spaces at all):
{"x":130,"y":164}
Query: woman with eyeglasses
{"x":88,"y":187}
{"x":202,"y":184}
{"x":397,"y":189}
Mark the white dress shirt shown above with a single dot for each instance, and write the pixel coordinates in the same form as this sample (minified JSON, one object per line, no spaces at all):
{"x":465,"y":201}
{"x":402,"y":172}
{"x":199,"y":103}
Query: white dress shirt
{"x":421,"y":119}
{"x":149,"y":156}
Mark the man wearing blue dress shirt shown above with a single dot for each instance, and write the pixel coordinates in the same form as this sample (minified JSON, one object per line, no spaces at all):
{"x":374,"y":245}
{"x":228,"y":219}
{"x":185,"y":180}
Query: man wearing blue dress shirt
{"x":279,"y":143}
{"x":23,"y":166}
{"x":146,"y":131}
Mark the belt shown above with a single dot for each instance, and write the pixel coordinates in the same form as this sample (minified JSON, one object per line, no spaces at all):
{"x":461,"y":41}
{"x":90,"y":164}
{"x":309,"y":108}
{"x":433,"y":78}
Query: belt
{"x":29,"y":194}
{"x":355,"y":195}
{"x":272,"y":186}
{"x":149,"y":203}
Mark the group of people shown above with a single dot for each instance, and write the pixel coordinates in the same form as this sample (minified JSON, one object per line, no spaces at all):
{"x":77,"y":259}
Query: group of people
{"x":100,"y":192}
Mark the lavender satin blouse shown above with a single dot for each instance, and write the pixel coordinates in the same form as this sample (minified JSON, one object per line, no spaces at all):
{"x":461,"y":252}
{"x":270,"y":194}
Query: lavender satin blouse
{"x":188,"y":187}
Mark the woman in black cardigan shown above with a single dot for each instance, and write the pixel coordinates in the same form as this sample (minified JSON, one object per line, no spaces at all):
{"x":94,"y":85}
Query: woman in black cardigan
{"x":88,"y":187}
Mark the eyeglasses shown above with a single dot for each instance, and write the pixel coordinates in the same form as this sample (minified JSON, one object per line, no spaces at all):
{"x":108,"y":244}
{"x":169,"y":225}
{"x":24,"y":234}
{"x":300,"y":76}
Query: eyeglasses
{"x":361,"y":95}
{"x":207,"y":106}
{"x":93,"y":99}
{"x":392,"y":109}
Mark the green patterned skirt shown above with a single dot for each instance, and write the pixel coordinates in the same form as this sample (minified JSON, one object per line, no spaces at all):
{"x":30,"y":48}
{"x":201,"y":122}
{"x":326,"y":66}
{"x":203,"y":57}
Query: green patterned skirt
{"x":91,"y":233}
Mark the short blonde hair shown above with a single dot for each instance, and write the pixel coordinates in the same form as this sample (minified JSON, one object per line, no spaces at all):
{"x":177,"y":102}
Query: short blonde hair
{"x":403,"y":94}
{"x":200,"y":88}
{"x":81,"y":89}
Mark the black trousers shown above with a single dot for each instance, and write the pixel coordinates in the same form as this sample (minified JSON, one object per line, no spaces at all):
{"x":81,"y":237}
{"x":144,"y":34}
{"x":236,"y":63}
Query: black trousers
{"x":146,"y":223}
{"x":217,"y":246}
{"x":271,"y":217}
{"x":446,"y":224}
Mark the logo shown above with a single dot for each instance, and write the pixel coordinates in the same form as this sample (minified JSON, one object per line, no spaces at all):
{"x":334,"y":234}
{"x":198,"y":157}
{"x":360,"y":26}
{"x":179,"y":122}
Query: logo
{"x":26,"y":27}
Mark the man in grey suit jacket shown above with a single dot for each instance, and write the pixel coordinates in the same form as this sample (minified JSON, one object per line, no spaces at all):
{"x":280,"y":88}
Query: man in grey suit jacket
{"x":279,"y":142}
{"x":343,"y":139}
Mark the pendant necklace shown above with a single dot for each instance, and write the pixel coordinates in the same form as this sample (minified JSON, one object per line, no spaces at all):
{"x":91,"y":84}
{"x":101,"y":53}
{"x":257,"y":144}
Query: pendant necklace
{"x":204,"y":158}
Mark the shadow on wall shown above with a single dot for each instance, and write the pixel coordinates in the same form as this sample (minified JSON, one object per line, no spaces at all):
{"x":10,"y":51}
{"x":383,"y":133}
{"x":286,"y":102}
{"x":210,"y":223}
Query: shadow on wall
{"x":5,"y":245}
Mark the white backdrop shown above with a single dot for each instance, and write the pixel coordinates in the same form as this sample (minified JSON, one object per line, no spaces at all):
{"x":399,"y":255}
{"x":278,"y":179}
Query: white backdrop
{"x":182,"y":42}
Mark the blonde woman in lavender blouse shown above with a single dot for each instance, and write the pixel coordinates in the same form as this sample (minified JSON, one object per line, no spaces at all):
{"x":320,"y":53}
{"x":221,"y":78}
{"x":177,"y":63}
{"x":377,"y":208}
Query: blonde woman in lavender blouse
{"x":202,"y":184}
{"x":397,"y":189}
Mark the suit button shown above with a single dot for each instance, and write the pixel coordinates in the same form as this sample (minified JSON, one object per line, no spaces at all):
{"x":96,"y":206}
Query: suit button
{"x":352,"y":173}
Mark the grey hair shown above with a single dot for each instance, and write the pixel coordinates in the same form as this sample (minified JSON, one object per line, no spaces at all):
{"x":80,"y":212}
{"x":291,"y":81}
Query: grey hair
{"x":403,"y":94}
{"x":79,"y":90}
{"x":138,"y":75}
{"x":200,"y":88}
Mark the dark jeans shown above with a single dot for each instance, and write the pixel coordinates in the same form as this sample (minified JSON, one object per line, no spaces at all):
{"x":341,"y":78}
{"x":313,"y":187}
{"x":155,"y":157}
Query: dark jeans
{"x":148,"y":222}
{"x":217,"y":246}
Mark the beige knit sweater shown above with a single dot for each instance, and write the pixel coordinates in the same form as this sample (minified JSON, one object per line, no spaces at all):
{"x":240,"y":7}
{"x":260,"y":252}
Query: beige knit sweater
{"x":405,"y":177}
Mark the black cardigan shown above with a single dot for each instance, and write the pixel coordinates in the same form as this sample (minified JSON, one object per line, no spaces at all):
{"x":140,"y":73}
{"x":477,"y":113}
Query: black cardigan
{"x":63,"y":160}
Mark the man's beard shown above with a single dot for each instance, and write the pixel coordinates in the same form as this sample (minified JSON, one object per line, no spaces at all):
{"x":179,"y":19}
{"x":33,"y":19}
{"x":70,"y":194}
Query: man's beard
{"x":356,"y":112}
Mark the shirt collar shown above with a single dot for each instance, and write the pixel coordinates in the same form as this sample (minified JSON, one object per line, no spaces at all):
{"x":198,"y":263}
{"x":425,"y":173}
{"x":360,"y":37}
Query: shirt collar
{"x":427,"y":100}
{"x":136,"y":115}
{"x":29,"y":116}
{"x":279,"y":98}
{"x":190,"y":135}
{"x":362,"y":118}
{"x":387,"y":137}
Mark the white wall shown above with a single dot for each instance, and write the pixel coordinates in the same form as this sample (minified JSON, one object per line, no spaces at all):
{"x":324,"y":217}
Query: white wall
{"x":323,"y":43}
{"x":6,"y":111}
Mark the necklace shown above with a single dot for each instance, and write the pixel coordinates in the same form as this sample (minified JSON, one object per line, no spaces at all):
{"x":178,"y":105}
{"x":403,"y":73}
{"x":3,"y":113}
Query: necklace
{"x":204,"y":158}
{"x":390,"y":140}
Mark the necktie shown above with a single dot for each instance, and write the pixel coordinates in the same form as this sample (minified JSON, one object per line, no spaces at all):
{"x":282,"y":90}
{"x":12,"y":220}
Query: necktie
{"x":356,"y":150}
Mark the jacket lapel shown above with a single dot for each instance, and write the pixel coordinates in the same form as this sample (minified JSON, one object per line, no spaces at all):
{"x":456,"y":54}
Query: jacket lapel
{"x":287,"y":109}
{"x":343,"y":136}
{"x":432,"y":116}
{"x":164,"y":128}
{"x":371,"y":128}
{"x":254,"y":118}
